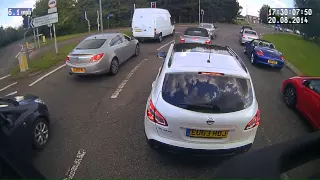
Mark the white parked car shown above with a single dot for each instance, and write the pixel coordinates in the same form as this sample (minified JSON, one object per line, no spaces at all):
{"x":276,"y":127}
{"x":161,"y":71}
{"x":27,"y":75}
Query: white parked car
{"x":151,"y":23}
{"x":248,"y":35}
{"x":202,"y":99}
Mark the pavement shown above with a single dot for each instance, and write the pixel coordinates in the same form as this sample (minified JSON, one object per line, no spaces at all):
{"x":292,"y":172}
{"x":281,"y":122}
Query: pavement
{"x":96,"y":136}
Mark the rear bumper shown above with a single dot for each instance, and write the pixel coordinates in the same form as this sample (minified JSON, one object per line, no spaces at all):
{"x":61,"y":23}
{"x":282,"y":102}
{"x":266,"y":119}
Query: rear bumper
{"x":201,"y":152}
{"x":89,"y":68}
{"x":264,"y":61}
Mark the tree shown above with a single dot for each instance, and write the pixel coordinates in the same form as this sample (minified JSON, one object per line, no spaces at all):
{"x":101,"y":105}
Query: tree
{"x":263,"y":13}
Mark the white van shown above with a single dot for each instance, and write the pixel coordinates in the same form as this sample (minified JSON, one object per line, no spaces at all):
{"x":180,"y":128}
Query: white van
{"x":151,"y":23}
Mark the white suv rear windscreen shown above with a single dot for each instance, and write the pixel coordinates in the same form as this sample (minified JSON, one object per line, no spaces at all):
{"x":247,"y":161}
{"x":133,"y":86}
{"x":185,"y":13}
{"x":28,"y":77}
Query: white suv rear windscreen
{"x":207,"y":93}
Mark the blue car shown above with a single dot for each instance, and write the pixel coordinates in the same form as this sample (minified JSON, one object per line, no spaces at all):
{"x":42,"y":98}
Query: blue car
{"x":264,"y":52}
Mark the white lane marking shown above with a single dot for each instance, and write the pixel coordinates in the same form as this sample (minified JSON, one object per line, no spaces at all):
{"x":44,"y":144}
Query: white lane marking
{"x":124,"y":82}
{"x":165,"y":45}
{"x":5,"y":77}
{"x":20,"y":50}
{"x":76,"y":163}
{"x":12,"y":93}
{"x":8,"y":86}
{"x":44,"y":76}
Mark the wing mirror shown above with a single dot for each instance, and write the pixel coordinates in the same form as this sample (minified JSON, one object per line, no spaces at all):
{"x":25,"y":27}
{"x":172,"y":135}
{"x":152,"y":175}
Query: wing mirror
{"x":7,"y":122}
{"x":161,"y":55}
{"x":306,"y":83}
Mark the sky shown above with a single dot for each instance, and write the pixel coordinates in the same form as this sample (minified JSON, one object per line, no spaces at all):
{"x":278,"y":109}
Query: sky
{"x":253,"y":7}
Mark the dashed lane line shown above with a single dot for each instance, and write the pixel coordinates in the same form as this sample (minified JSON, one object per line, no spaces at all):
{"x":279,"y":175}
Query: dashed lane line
{"x":165,"y":45}
{"x":20,"y":50}
{"x":124,"y":82}
{"x":76,"y":163}
{"x":1,"y":78}
{"x":4,"y":88}
{"x":12,"y":93}
{"x":44,"y":76}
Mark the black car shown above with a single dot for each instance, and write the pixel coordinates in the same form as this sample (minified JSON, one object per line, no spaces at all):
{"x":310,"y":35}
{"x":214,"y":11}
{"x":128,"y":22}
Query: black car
{"x":24,"y":126}
{"x":245,"y":27}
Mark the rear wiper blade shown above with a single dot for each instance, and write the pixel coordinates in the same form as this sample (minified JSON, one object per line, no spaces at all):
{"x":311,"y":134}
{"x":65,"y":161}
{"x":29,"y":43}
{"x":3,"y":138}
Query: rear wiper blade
{"x":202,"y":105}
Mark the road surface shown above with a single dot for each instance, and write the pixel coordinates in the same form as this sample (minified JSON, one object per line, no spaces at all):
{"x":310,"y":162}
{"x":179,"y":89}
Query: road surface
{"x":95,"y":136}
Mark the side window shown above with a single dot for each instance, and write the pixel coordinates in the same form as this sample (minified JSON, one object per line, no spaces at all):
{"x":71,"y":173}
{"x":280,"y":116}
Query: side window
{"x":315,"y":86}
{"x":127,"y":38}
{"x":255,"y":43}
{"x":113,"y":41}
{"x":120,"y":39}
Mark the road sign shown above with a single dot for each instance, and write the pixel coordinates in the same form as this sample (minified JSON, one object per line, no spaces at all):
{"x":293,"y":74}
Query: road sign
{"x":52,"y":3}
{"x":52,"y":10}
{"x":109,"y":15}
{"x":19,"y":11}
{"x":202,"y":11}
{"x":26,"y":22}
{"x":44,"y":20}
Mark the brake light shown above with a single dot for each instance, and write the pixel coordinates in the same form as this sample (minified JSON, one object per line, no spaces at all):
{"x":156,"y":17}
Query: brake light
{"x":211,"y":73}
{"x":182,"y":40}
{"x":254,"y":122}
{"x":208,"y":41}
{"x":155,"y":32}
{"x":243,"y":36}
{"x":97,"y":57}
{"x":155,"y":116}
{"x":67,"y":58}
{"x":282,"y":58}
{"x":260,"y":53}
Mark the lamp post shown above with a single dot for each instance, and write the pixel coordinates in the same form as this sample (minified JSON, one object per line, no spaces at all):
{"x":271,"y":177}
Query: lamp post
{"x":199,"y":12}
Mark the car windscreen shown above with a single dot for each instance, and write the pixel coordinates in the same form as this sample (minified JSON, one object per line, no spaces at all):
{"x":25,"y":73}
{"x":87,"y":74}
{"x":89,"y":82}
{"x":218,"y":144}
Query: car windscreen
{"x":207,"y":26}
{"x":91,"y":44}
{"x":266,"y":44}
{"x":207,"y":93}
{"x":250,"y":32}
{"x":196,"y":32}
{"x":246,"y":27}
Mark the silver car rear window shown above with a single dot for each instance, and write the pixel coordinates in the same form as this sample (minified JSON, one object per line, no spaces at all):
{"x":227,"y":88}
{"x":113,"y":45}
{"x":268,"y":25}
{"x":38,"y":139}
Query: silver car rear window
{"x":196,"y":32}
{"x":91,"y":44}
{"x":208,"y":26}
{"x":250,"y":32}
{"x":207,"y":93}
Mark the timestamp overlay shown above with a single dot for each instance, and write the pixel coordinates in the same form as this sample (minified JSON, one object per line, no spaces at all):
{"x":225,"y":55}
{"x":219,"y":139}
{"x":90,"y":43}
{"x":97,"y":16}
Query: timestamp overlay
{"x":289,"y":15}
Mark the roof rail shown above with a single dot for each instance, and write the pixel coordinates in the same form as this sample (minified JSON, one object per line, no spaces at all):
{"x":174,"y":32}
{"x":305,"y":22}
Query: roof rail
{"x":237,"y":57}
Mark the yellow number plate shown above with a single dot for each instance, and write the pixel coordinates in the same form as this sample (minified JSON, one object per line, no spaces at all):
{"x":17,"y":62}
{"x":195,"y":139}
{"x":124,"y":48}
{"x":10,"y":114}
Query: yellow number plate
{"x":272,"y":62}
{"x":206,"y":134}
{"x":78,"y":70}
{"x":138,"y":30}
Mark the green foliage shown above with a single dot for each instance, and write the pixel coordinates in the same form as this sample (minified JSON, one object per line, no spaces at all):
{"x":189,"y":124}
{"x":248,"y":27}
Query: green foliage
{"x":71,"y":18}
{"x":263,"y":13}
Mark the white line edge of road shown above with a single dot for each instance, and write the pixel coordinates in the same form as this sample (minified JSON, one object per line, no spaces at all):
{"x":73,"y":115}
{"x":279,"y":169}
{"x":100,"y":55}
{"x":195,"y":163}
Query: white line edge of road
{"x":124,"y":82}
{"x":76,"y":163}
{"x":1,"y":78}
{"x":12,"y":93}
{"x":165,"y":45}
{"x":44,"y":76}
{"x":20,"y":50}
{"x":8,"y":86}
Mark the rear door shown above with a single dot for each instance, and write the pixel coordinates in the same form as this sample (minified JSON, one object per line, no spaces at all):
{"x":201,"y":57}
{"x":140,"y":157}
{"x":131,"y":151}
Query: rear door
{"x":119,"y":48}
{"x":143,"y":24}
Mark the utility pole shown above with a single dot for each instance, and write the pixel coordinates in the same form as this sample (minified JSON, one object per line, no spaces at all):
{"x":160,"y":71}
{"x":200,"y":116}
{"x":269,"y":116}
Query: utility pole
{"x":199,"y":12}
{"x":101,"y":17}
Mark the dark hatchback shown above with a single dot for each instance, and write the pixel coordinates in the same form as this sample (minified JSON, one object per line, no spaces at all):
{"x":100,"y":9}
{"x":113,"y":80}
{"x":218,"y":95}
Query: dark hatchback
{"x":24,"y":126}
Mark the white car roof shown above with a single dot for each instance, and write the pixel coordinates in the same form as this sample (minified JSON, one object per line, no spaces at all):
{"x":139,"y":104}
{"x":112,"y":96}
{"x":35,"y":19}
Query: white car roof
{"x":221,"y":60}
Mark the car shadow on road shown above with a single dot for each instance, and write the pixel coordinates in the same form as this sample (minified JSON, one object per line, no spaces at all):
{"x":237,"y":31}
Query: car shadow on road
{"x":267,"y":68}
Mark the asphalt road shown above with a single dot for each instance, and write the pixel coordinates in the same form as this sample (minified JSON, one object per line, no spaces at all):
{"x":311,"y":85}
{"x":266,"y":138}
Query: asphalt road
{"x":95,"y":136}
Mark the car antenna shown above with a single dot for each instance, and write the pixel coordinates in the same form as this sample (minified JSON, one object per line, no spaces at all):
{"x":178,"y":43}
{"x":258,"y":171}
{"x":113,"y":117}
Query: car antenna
{"x":208,"y":61}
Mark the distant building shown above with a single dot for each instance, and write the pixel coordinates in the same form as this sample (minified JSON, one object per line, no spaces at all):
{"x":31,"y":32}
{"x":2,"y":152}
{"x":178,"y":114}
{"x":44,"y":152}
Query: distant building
{"x":252,"y":19}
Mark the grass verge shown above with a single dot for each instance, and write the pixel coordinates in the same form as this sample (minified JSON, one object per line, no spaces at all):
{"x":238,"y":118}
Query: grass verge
{"x":242,"y":22}
{"x":302,"y":54}
{"x":128,"y":32}
{"x":45,"y":61}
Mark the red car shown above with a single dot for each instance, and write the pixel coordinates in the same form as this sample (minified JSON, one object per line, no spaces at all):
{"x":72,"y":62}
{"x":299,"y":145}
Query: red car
{"x":303,"y":93}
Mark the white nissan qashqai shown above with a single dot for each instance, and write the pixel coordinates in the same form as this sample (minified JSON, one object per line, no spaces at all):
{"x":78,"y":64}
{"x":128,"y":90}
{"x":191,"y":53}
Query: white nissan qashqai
{"x":202,"y":100}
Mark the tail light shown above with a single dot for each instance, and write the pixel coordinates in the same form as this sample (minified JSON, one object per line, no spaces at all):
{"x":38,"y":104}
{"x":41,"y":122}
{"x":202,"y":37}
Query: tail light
{"x":211,"y":73}
{"x":208,"y":41}
{"x":254,"y":122}
{"x":282,"y":58}
{"x":96,"y":58}
{"x":67,"y":58}
{"x":182,"y":40}
{"x":243,"y":36}
{"x":260,"y":53}
{"x":155,"y":32}
{"x":155,"y":116}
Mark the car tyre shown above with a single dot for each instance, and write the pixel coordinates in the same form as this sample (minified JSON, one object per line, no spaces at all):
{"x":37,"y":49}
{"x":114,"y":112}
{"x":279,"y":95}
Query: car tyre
{"x":41,"y":133}
{"x":252,"y":61}
{"x":137,"y":50}
{"x":173,"y":32}
{"x":160,"y":38}
{"x":114,"y":66}
{"x":290,"y":96}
